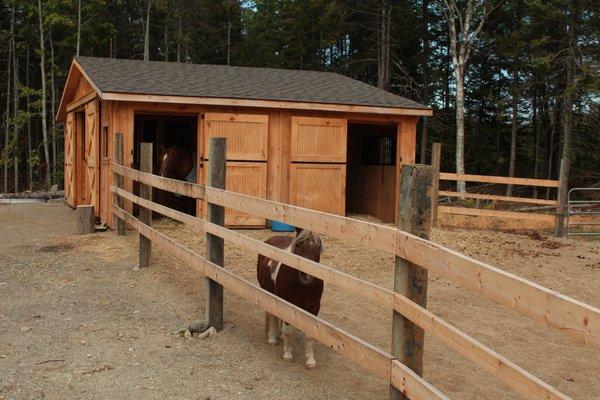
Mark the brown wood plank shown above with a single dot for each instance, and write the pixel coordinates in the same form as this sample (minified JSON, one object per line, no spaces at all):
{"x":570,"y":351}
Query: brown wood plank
{"x":446,"y":176}
{"x":496,"y":213}
{"x":172,"y":185}
{"x":483,"y":196}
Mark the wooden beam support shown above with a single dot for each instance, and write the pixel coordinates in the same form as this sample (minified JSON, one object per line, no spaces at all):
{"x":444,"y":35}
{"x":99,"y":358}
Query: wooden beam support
{"x":118,"y":180}
{"x":410,"y":279}
{"x":82,"y":101}
{"x":146,"y":194}
{"x":214,"y":244}
{"x":85,"y":220}
{"x":436,"y":159}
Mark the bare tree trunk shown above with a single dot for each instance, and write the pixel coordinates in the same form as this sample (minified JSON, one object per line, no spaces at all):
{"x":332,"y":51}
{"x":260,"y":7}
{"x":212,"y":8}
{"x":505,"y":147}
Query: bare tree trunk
{"x":53,"y":111}
{"x":551,"y":141}
{"x":514,"y":129}
{"x":166,"y":49}
{"x":426,"y":72}
{"x":4,"y":156}
{"x":78,"y":26}
{"x":461,"y":43}
{"x":460,"y":129}
{"x":179,"y":35}
{"x":228,"y":40}
{"x":536,"y":134}
{"x":15,"y":140}
{"x":29,"y":144}
{"x":147,"y":33}
{"x":383,"y":66}
{"x":43,"y":114}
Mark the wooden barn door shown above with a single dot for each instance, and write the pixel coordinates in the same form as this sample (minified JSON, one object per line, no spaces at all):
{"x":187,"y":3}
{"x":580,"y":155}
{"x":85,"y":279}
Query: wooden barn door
{"x":247,"y":144}
{"x":318,"y":170}
{"x":70,"y":146}
{"x":92,"y":166}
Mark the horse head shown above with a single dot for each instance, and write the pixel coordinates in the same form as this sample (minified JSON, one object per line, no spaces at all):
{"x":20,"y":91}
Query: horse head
{"x":175,"y":163}
{"x":307,"y":244}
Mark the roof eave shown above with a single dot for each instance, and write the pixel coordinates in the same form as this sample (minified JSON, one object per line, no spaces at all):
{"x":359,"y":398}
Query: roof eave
{"x":218,"y":101}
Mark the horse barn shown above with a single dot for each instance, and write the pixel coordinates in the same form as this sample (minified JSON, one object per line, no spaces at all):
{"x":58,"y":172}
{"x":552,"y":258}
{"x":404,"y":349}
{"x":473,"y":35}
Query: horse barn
{"x":314,"y":139}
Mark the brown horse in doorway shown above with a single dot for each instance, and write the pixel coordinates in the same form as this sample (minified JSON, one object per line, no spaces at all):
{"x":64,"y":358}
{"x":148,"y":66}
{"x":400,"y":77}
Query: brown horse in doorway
{"x":176,"y":163}
{"x":298,"y":288}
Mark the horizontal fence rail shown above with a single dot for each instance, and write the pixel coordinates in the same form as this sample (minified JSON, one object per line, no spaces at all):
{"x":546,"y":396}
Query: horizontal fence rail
{"x":547,"y":307}
{"x":502,"y":368}
{"x":448,"y":176}
{"x":509,"y":199}
{"x":577,"y":319}
{"x":353,"y":348}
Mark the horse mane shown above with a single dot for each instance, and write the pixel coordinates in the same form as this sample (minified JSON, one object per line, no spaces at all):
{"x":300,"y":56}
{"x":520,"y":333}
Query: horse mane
{"x":305,"y":234}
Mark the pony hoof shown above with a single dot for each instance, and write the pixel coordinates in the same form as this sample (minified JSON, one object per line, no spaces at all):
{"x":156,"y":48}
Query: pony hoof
{"x":273,"y":342}
{"x":311,"y":365}
{"x":287,"y":357}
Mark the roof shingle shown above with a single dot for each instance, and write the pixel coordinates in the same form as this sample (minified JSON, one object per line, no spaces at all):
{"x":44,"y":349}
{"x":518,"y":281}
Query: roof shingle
{"x":221,"y":81}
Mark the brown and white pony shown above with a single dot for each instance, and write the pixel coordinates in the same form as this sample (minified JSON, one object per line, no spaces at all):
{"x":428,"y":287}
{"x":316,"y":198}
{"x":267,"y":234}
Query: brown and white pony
{"x":298,"y":288}
{"x":177,"y":163}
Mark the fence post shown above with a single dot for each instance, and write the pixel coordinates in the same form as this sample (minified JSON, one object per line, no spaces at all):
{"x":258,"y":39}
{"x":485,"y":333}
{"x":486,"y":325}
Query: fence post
{"x":214,"y":244}
{"x":145,"y":215}
{"x":561,"y":200}
{"x":85,"y":220}
{"x":410,"y":280}
{"x":436,"y":157}
{"x":118,"y":180}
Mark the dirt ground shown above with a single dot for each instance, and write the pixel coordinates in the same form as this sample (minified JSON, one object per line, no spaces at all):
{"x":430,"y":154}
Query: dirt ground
{"x":77,"y":321}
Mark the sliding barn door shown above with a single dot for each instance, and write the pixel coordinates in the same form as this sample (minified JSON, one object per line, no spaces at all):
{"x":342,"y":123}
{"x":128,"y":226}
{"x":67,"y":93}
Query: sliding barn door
{"x":92,"y":165}
{"x":247,"y":144}
{"x":318,"y":170}
{"x":70,"y":144}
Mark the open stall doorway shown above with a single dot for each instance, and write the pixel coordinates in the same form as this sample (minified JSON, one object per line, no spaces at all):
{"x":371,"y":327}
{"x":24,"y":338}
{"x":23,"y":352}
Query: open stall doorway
{"x":371,"y":170}
{"x":174,"y":136}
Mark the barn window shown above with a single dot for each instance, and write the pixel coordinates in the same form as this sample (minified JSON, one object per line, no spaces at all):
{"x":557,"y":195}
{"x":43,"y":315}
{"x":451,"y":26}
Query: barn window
{"x":379,"y":150}
{"x":104,"y":142}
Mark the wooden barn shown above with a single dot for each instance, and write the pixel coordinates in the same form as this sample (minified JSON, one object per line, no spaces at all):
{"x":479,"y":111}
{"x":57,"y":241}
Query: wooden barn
{"x":314,"y":139}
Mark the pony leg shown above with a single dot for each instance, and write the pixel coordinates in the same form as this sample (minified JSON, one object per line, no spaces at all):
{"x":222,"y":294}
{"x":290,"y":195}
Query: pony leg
{"x":272,"y":329}
{"x":287,"y":331}
{"x":309,"y":345}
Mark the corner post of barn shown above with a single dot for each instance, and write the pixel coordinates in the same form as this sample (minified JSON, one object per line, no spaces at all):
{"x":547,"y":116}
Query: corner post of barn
{"x":214,"y":244}
{"x":410,"y":280}
{"x":436,"y":157}
{"x":118,"y":181}
{"x":561,"y":200}
{"x":145,"y":215}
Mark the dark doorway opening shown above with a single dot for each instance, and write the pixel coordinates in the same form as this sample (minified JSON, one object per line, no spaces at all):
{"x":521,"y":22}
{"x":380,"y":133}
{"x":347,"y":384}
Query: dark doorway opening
{"x":167,"y":132}
{"x":371,"y":170}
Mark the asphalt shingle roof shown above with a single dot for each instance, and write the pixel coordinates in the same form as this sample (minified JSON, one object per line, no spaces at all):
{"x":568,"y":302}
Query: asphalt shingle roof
{"x":221,"y":81}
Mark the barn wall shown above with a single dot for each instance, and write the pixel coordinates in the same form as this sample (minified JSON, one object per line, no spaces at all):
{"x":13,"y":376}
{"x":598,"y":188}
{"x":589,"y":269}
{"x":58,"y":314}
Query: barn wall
{"x":279,"y":159}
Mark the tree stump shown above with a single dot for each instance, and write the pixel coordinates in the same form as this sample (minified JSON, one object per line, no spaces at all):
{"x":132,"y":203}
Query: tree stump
{"x":85,"y":220}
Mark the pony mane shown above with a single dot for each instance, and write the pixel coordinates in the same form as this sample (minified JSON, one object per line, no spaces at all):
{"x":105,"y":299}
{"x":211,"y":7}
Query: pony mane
{"x":305,"y":234}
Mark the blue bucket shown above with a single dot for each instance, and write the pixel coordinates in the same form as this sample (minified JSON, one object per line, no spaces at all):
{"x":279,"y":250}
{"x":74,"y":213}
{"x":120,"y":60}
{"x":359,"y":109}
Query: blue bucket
{"x":277,"y":226}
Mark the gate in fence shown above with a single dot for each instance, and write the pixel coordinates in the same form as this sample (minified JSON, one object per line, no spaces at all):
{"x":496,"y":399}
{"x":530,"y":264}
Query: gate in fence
{"x":574,"y":207}
{"x":414,"y":254}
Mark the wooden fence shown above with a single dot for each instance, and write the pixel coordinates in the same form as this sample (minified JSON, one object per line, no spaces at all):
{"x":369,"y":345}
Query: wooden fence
{"x":499,"y":218}
{"x":574,"y":318}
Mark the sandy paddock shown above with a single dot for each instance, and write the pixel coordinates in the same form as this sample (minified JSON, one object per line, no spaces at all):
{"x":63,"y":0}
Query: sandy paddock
{"x":76,"y":321}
